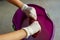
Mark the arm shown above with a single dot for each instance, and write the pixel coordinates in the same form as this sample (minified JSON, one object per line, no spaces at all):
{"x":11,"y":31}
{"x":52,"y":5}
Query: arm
{"x":17,"y":35}
{"x":17,"y":3}
{"x":29,"y":11}
{"x":23,"y":33}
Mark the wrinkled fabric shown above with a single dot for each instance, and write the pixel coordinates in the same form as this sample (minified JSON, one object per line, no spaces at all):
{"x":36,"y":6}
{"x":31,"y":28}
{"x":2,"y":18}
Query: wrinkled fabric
{"x":45,"y":22}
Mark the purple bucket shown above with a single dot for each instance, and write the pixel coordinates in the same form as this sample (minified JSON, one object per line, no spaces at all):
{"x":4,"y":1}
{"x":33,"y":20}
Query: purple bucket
{"x":45,"y":22}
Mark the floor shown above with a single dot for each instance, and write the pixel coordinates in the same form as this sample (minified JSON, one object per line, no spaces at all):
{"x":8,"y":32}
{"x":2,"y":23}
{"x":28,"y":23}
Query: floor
{"x":7,"y":11}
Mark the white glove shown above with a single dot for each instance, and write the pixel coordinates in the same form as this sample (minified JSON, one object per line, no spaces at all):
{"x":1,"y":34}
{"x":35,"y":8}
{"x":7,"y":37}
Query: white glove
{"x":32,"y":29}
{"x":30,"y":11}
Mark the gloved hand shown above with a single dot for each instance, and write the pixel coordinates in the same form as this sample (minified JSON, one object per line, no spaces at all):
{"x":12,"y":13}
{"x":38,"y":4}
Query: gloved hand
{"x":32,"y":29}
{"x":30,"y":11}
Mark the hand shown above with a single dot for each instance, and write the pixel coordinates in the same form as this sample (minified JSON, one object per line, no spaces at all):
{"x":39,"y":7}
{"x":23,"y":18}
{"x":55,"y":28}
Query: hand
{"x":30,"y":11}
{"x":33,"y":28}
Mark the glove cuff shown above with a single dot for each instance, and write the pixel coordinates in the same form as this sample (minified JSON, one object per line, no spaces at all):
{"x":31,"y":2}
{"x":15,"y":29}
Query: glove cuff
{"x":25,"y":6}
{"x":27,"y":31}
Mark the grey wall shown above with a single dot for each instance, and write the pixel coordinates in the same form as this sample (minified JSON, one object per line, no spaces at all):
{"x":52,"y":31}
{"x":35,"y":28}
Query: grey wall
{"x":7,"y":11}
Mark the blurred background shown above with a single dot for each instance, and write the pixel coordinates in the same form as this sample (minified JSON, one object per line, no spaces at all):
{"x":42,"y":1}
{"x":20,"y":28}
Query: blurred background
{"x":7,"y":11}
